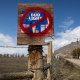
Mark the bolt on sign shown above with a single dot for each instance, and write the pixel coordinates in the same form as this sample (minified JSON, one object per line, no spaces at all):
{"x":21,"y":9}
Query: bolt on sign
{"x":35,"y":23}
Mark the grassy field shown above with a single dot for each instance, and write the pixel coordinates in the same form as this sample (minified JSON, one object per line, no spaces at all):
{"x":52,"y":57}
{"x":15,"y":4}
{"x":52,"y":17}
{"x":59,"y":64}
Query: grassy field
{"x":63,"y":69}
{"x":13,"y":64}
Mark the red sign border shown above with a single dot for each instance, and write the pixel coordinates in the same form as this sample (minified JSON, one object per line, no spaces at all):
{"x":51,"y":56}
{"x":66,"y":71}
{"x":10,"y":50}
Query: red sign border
{"x":46,"y":31}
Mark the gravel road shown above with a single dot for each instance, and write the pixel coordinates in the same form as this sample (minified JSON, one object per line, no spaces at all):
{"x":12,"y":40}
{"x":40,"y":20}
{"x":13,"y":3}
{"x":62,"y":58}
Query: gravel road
{"x":76,"y":61}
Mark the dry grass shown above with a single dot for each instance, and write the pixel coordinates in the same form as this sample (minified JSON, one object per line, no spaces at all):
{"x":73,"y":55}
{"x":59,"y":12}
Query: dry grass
{"x":66,"y":69}
{"x":13,"y":64}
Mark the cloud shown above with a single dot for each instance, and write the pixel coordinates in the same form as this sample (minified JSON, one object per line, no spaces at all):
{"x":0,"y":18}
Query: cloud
{"x":66,"y":37}
{"x":67,"y":23}
{"x":19,"y":51}
{"x":6,"y":40}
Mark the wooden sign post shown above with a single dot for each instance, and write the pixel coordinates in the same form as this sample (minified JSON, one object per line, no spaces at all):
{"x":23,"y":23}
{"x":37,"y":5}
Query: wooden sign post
{"x":35,"y":23}
{"x":35,"y":62}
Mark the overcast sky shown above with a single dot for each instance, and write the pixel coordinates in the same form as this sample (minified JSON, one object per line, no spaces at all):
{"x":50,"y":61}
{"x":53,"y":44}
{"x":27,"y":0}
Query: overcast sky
{"x":66,"y":23}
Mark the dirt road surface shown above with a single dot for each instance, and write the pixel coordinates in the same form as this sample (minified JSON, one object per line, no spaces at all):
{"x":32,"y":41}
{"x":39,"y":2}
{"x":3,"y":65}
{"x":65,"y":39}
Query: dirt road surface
{"x":75,"y":61}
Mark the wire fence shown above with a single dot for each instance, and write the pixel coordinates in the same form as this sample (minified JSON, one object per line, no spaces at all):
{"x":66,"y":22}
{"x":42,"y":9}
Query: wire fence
{"x":12,"y":47}
{"x":15,"y":47}
{"x":55,"y":66}
{"x":15,"y":51}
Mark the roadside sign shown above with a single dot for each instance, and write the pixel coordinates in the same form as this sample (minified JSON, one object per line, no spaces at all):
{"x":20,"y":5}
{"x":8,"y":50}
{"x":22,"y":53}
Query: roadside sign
{"x":36,"y":21}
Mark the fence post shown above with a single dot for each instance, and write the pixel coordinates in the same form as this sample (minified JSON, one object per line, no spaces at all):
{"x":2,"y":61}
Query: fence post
{"x":35,"y":61}
{"x":49,"y":60}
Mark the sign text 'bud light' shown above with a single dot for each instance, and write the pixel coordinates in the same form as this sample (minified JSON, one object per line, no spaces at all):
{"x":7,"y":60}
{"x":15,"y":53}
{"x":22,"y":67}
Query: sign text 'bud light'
{"x":35,"y":22}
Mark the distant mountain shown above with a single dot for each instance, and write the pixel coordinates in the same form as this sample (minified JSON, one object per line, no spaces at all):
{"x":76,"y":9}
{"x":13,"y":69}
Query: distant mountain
{"x":66,"y":50}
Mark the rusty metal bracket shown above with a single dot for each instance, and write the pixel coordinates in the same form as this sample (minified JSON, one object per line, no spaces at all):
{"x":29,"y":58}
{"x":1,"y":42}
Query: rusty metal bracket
{"x":35,"y":47}
{"x":41,"y":68}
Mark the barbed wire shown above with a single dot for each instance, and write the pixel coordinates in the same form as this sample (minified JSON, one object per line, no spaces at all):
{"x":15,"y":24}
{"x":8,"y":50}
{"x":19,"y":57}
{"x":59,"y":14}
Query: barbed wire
{"x":12,"y":47}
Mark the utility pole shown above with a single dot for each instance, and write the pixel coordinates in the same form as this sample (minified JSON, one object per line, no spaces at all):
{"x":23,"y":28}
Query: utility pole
{"x":77,"y":47}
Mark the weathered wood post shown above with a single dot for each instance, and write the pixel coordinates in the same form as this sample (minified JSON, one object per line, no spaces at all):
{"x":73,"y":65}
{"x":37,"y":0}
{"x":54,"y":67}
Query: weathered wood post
{"x":35,"y":23}
{"x":16,"y":75}
{"x":35,"y":61}
{"x":49,"y":60}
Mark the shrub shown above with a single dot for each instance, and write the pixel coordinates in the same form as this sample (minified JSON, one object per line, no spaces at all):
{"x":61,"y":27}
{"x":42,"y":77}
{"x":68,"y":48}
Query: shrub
{"x":76,"y":52}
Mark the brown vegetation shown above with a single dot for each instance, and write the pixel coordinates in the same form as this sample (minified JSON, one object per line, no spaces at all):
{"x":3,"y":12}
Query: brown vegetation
{"x":13,"y":64}
{"x":76,"y":53}
{"x":63,"y":69}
